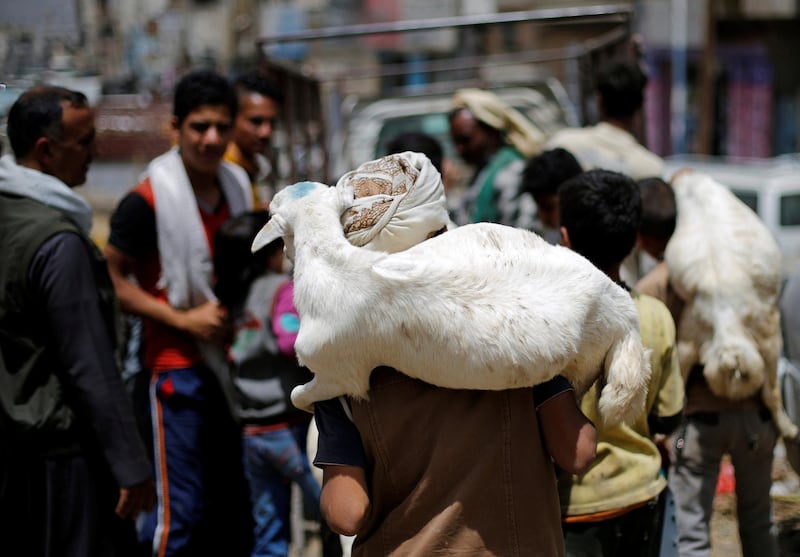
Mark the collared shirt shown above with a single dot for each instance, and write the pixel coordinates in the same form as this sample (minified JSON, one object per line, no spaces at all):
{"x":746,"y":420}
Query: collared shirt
{"x":609,"y":147}
{"x":507,"y":205}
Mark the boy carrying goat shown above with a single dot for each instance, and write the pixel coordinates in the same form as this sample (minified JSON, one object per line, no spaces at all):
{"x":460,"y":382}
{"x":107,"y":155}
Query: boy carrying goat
{"x":467,"y":309}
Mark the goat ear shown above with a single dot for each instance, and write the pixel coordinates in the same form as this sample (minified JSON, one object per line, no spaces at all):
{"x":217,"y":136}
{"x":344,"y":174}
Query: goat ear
{"x":273,"y":230}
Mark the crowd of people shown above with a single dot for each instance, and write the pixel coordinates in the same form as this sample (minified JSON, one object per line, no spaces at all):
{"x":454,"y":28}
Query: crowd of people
{"x":203,"y":462}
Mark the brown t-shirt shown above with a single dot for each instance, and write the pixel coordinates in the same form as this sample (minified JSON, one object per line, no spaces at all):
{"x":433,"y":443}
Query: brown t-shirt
{"x":454,"y":472}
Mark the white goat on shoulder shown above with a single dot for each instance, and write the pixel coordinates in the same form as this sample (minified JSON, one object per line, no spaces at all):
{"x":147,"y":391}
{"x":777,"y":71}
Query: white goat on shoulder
{"x":482,"y":306}
{"x":725,"y":264}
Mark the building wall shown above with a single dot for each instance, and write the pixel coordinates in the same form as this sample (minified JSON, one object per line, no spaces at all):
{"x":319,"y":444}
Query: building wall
{"x":755,"y":86}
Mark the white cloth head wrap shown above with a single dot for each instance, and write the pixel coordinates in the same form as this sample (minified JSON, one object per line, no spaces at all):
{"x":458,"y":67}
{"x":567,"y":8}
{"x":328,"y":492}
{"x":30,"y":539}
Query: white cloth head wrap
{"x":488,"y":108}
{"x":398,"y":202}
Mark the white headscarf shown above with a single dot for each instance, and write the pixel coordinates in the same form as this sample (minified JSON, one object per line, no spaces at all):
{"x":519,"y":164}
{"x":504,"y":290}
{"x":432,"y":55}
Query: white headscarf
{"x":488,"y":108}
{"x":398,"y":202}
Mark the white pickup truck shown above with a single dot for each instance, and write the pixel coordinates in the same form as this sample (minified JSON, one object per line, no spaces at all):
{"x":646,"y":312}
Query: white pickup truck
{"x":371,"y":125}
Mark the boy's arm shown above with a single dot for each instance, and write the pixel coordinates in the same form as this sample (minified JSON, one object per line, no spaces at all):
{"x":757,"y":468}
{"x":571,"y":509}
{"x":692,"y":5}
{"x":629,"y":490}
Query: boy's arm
{"x":344,"y":501}
{"x":132,"y":233}
{"x":205,"y":322}
{"x":569,"y":436}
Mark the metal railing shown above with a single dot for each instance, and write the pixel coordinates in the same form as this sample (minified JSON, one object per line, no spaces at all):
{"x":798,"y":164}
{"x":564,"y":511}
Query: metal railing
{"x":302,"y":152}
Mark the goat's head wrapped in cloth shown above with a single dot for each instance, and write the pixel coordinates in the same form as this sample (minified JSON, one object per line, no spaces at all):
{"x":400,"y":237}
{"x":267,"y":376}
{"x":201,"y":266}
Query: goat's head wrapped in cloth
{"x":398,"y":202}
{"x":488,"y":108}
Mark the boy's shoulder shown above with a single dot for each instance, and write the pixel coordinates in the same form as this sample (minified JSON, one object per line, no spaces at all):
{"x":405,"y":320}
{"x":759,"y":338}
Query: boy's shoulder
{"x":653,"y":313}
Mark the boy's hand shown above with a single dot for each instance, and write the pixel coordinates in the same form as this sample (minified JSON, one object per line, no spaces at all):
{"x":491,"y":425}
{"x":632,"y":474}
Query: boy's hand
{"x":207,"y":322}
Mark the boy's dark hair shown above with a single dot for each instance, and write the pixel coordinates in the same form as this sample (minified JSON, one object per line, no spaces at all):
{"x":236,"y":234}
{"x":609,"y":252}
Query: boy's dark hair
{"x":601,"y":211}
{"x":38,"y":112}
{"x":419,"y":143}
{"x":546,"y":171}
{"x":621,"y":88}
{"x":203,"y":87}
{"x":255,"y":82}
{"x":235,"y":265}
{"x":659,"y":214}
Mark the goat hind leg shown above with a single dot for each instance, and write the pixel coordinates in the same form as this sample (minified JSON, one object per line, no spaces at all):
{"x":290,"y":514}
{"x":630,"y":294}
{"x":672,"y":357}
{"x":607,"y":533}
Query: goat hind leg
{"x":771,"y":395}
{"x":627,"y":374}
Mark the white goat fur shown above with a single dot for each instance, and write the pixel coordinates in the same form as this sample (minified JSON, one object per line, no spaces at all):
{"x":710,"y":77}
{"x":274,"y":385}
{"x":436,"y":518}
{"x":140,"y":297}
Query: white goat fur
{"x":725,"y":263}
{"x":482,"y":306}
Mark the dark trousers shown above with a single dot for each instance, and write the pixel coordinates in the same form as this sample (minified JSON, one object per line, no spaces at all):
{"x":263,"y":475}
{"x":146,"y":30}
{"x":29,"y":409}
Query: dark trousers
{"x":637,"y":532}
{"x":749,"y":437}
{"x":203,"y":499}
{"x":59,"y":506}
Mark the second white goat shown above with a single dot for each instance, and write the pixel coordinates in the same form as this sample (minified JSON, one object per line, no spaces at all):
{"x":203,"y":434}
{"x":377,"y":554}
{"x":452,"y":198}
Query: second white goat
{"x":725,"y":263}
{"x":482,"y":306}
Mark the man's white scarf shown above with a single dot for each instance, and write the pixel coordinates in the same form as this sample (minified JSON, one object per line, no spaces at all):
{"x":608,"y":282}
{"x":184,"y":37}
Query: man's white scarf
{"x":46,"y":189}
{"x":187,"y":269}
{"x":186,"y":265}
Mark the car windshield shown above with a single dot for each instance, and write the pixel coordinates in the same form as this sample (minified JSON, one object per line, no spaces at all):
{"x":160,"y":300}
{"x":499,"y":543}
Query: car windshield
{"x":434,"y":124}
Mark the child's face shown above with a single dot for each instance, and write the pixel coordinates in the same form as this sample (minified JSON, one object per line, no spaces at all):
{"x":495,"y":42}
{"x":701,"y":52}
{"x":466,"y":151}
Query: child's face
{"x":275,"y":262}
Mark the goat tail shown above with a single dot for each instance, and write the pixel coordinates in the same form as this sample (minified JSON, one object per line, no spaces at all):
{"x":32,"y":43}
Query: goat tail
{"x":627,"y":375}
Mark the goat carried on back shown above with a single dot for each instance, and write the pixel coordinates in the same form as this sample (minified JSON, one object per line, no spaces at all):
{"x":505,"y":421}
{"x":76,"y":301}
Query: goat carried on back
{"x":725,"y":264}
{"x":482,"y":306}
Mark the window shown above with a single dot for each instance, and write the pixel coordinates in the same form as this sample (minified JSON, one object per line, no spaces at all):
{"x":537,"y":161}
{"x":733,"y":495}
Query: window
{"x":790,"y":210}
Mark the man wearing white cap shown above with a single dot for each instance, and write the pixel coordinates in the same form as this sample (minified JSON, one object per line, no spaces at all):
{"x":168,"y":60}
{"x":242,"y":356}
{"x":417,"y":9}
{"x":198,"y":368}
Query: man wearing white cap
{"x":496,"y":140}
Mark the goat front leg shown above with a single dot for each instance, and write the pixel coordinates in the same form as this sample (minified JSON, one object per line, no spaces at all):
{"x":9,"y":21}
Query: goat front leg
{"x":319,"y":388}
{"x":304,"y":396}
